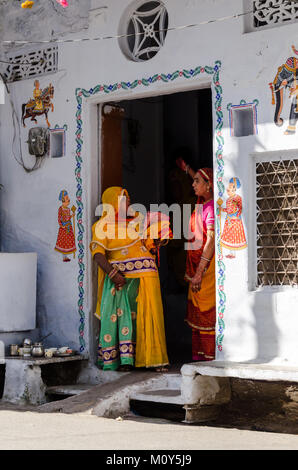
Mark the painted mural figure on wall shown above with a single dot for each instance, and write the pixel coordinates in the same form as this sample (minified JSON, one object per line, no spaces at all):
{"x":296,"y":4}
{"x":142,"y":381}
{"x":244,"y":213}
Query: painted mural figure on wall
{"x":286,"y":77}
{"x":66,"y":235}
{"x":40,"y":104}
{"x":233,"y":235}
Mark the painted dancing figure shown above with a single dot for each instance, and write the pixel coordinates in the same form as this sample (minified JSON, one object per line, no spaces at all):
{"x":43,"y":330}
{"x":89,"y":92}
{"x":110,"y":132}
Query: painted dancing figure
{"x":66,"y":239}
{"x":233,"y":235}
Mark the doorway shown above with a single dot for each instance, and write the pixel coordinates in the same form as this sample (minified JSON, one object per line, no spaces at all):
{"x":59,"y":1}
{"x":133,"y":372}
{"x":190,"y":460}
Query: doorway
{"x":154,"y":132}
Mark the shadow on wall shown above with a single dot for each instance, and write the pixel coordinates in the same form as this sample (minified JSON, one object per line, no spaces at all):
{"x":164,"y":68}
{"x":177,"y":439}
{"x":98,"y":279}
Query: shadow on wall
{"x":267,"y":332}
{"x":53,"y":308}
{"x":263,"y":306}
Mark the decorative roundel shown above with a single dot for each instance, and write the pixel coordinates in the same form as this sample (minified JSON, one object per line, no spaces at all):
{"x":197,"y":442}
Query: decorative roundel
{"x":143,"y":29}
{"x":107,"y":338}
{"x":125,"y":331}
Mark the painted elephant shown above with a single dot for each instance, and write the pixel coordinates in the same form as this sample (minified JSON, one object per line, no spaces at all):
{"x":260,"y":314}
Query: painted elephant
{"x":286,"y":77}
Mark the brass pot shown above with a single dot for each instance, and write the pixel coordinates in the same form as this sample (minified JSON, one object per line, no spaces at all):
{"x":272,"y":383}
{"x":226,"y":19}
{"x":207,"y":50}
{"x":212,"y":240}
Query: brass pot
{"x":14,"y":349}
{"x":37,"y":350}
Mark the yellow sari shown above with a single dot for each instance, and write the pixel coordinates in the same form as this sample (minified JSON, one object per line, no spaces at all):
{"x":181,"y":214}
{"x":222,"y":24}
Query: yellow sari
{"x":131,"y":254}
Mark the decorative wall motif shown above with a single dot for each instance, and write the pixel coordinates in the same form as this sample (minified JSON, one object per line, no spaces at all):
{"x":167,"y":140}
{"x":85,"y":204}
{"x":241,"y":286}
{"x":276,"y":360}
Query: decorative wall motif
{"x":233,"y":235}
{"x":144,"y":31}
{"x":66,"y":244}
{"x":41,"y":61}
{"x":271,"y":13}
{"x":286,"y":77}
{"x":40,"y":104}
{"x":146,"y":82}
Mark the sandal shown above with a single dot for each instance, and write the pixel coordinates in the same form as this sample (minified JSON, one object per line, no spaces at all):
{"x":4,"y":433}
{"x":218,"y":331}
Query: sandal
{"x":162,"y":369}
{"x":125,"y":368}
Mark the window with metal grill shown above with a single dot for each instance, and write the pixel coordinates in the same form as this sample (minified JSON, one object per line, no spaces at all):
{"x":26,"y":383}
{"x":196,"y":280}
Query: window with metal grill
{"x":30,"y":64}
{"x":264,"y":14}
{"x":277,"y":222}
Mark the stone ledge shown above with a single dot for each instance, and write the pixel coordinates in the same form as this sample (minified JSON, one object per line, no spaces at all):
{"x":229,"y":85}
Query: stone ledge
{"x":40,"y":361}
{"x":251,"y":371}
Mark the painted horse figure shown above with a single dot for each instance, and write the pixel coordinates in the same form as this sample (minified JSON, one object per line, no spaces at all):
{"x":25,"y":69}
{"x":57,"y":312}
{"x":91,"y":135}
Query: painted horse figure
{"x":30,"y":110}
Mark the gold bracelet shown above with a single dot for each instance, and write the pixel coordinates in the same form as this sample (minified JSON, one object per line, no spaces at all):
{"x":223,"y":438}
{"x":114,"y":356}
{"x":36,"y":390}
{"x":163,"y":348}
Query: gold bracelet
{"x":113,"y":272}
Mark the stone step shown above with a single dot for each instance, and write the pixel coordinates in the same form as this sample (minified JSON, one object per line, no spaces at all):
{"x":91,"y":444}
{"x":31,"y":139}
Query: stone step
{"x":171,"y":396}
{"x":68,"y":390}
{"x":109,"y":399}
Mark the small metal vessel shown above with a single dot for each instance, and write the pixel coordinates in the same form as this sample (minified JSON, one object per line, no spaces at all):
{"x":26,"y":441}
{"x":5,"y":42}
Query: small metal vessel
{"x":37,"y":350}
{"x":27,"y":343}
{"x":14,"y":349}
{"x":27,"y":351}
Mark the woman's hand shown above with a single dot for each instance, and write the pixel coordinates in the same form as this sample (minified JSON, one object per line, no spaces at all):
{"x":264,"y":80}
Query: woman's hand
{"x":103,"y":263}
{"x":157,"y":244}
{"x":181,"y":164}
{"x":196,"y":282}
{"x":118,"y":280}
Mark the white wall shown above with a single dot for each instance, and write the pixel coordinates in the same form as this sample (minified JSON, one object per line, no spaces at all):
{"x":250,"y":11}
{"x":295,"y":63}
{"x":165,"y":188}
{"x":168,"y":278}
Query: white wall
{"x":17,"y":279}
{"x":258,"y":325}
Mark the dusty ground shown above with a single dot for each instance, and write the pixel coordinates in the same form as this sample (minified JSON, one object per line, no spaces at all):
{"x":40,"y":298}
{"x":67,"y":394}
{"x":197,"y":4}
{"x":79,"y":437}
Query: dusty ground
{"x":25,"y":429}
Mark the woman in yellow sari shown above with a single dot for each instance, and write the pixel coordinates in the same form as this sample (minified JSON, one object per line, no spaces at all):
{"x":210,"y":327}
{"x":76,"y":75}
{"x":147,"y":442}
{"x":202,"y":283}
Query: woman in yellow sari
{"x":129,"y":302}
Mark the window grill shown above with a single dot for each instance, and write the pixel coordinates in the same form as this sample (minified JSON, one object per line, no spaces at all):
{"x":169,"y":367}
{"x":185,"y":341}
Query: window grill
{"x":277,"y":222}
{"x":24,"y":65}
{"x":144,"y":29}
{"x":270,"y":13}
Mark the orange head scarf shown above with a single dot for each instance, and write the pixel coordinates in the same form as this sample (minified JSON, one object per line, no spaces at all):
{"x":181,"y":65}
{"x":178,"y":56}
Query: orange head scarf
{"x":112,"y":197}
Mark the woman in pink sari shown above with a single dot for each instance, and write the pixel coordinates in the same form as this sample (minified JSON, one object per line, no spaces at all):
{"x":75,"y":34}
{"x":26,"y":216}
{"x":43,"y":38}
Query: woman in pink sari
{"x":200,"y":268}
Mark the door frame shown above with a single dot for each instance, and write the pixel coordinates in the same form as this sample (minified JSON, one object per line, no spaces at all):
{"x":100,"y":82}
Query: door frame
{"x":89,"y":122}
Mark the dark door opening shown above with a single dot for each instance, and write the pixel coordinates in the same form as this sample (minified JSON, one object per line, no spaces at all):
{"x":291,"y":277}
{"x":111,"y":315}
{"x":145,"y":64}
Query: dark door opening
{"x":155,"y":132}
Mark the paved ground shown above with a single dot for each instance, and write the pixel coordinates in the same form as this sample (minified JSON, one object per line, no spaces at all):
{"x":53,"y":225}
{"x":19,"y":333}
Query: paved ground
{"x":28,"y":430}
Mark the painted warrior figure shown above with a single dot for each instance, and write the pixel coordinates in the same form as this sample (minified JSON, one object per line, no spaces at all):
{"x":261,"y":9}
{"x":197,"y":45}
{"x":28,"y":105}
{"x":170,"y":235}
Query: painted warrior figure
{"x":40,"y":104}
{"x":286,"y":77}
{"x":66,"y":239}
{"x":37,"y":94}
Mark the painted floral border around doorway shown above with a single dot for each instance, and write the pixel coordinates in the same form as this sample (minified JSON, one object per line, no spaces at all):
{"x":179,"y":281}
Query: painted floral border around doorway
{"x":146,"y":82}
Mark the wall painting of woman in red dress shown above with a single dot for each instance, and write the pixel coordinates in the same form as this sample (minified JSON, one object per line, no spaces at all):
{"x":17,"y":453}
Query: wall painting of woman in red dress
{"x":233,"y":235}
{"x":66,"y":243}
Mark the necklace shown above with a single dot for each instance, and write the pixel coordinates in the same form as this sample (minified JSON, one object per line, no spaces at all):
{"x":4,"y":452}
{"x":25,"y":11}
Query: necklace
{"x":208,"y":200}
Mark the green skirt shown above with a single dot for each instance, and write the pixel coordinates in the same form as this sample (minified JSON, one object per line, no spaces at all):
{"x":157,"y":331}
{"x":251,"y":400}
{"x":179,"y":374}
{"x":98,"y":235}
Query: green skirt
{"x":117,"y":340}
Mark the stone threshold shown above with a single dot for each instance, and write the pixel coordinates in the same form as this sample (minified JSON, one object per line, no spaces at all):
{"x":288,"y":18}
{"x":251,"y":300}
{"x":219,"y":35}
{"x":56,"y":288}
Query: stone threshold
{"x":244,"y":370}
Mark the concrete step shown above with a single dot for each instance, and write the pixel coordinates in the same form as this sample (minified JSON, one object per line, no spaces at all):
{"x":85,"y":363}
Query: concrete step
{"x":68,"y":390}
{"x":159,"y":396}
{"x":166,"y":391}
{"x":110,"y":399}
